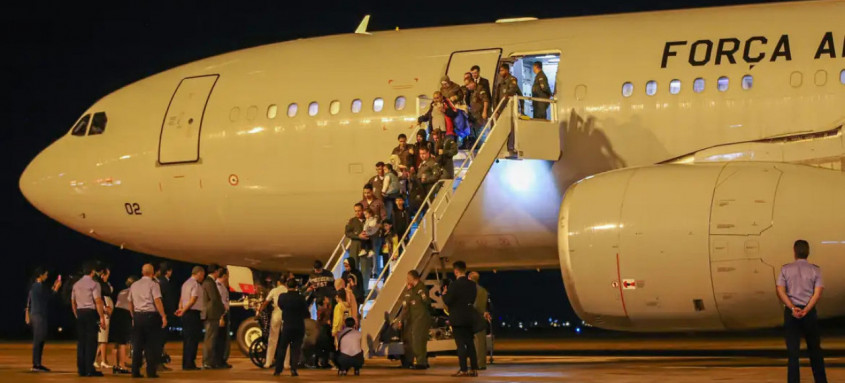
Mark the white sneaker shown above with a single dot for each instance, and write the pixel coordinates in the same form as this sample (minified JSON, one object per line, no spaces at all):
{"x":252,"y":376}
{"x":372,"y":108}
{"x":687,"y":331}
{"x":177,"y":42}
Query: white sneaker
{"x":371,"y":254}
{"x":362,"y":253}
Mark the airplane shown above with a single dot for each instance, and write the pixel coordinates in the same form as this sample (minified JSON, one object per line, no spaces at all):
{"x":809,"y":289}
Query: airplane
{"x":694,"y":147}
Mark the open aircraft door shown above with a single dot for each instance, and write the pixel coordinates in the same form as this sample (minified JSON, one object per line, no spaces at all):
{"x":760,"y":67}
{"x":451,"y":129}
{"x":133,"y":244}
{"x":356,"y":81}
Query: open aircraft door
{"x":460,"y":62}
{"x":180,"y":131}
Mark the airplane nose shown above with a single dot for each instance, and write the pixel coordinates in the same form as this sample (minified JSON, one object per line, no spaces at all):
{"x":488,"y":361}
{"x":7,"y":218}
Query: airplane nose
{"x":40,"y":182}
{"x":32,"y":183}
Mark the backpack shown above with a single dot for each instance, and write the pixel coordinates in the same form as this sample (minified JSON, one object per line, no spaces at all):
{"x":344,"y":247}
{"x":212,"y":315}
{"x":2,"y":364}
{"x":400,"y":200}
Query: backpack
{"x":462,"y":125}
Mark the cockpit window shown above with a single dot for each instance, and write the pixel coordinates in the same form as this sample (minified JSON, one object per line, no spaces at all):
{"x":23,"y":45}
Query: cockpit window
{"x":98,"y":123}
{"x":81,"y":126}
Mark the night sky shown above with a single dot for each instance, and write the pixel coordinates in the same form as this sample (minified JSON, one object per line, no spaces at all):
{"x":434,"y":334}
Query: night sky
{"x":60,"y":57}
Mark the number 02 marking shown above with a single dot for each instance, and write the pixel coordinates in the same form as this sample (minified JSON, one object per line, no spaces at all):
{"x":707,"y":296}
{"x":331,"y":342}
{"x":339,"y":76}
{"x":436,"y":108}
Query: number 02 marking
{"x":132,"y":208}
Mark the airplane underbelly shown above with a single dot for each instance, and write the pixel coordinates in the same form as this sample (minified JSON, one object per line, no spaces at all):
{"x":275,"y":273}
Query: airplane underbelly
{"x":512,"y":221}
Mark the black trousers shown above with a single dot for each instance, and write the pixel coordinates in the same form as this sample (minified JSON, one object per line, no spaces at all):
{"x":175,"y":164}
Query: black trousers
{"x":39,"y":336}
{"x":172,"y":322}
{"x":147,"y":336}
{"x":325,"y":345}
{"x":191,"y":338}
{"x":465,"y":340}
{"x":345,"y":362}
{"x":808,"y":327}
{"x":222,"y":343}
{"x":87,"y":327}
{"x":540,"y":109}
{"x":292,"y":337}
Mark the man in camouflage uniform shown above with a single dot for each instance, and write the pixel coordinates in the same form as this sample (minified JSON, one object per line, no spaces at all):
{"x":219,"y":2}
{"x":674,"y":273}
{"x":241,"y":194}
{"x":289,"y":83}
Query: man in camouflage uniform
{"x":415,"y":322}
{"x":482,"y":305}
{"x":540,"y":89}
{"x":445,"y":148}
{"x":506,"y":86}
{"x":429,"y":172}
{"x":479,"y":106}
{"x":450,"y":90}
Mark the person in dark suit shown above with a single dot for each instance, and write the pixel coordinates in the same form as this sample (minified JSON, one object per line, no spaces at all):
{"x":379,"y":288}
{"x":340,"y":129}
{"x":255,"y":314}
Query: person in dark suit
{"x":459,"y":296}
{"x":214,"y":310}
{"x":294,"y":311}
{"x":170,"y":300}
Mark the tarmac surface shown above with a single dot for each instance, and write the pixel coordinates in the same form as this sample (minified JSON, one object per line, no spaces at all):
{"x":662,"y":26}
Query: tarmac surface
{"x":548,"y":360}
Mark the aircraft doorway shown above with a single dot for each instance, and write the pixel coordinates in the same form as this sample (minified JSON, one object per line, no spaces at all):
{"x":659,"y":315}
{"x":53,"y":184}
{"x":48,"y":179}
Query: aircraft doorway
{"x":462,"y":62}
{"x":522,"y":67}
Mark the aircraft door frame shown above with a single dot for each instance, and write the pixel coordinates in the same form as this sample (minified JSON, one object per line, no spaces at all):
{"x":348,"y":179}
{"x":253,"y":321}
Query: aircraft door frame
{"x":513,"y":57}
{"x":492,"y":67}
{"x":179,"y":138}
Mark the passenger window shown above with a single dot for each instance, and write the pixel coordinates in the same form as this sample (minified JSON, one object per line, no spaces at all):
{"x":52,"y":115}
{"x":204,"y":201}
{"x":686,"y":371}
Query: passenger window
{"x":675,"y":86}
{"x":292,"y":108}
{"x":98,"y":123}
{"x":313,"y":108}
{"x":81,"y":126}
{"x":651,"y":88}
{"x":627,"y":89}
{"x":747,"y":82}
{"x":334,"y":107}
{"x":400,"y":103}
{"x":356,"y":105}
{"x":272,"y":110}
{"x":698,"y":85}
{"x":722,"y":84}
{"x":842,"y":76}
{"x":378,"y":104}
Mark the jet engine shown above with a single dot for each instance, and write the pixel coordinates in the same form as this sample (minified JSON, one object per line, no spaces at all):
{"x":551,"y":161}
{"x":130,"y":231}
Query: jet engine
{"x":698,"y":247}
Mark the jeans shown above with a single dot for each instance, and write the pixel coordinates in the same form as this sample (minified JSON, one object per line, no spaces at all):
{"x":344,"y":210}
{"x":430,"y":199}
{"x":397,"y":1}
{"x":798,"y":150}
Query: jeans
{"x":808,"y":327}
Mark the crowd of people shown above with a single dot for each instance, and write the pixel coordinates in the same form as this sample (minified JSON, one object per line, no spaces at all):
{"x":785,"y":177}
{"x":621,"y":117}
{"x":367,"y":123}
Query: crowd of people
{"x":139,"y":313}
{"x":391,"y":197}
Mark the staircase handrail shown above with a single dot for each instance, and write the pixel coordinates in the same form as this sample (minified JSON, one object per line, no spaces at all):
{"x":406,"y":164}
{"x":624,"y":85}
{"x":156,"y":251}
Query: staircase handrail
{"x":428,"y":201}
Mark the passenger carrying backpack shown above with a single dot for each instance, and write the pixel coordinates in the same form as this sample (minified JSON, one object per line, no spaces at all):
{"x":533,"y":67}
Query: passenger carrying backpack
{"x":461,"y":121}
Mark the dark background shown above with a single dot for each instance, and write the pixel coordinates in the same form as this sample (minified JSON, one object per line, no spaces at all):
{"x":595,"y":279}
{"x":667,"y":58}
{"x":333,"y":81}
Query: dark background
{"x":60,"y":57}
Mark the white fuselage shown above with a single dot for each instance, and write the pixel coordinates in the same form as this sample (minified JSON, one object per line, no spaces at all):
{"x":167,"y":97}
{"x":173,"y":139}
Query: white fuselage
{"x":274,"y":192}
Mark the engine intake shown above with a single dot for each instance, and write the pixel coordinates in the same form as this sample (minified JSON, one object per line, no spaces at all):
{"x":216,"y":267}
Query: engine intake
{"x":697,"y":247}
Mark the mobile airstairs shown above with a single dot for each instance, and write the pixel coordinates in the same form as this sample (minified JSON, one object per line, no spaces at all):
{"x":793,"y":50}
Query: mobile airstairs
{"x":432,"y":227}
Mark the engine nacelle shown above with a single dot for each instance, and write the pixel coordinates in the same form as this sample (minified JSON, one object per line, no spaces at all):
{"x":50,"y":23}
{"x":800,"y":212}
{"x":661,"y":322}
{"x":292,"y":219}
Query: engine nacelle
{"x":698,"y":247}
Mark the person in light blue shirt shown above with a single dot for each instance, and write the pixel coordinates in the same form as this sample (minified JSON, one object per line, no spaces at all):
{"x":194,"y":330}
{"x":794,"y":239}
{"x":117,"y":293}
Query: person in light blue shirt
{"x":191,"y":311}
{"x":87,"y":304}
{"x":800,"y":287}
{"x":149,"y":322}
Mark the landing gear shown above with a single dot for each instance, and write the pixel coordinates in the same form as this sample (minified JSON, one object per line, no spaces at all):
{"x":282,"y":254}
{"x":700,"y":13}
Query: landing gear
{"x":248,"y":331}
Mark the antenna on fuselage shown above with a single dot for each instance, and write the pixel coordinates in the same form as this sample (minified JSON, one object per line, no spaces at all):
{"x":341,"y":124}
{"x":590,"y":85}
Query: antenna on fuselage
{"x":362,"y":28}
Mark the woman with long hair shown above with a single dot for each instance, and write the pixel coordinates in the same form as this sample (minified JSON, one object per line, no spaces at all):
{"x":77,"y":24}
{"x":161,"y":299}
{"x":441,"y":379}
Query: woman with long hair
{"x":353,"y":279}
